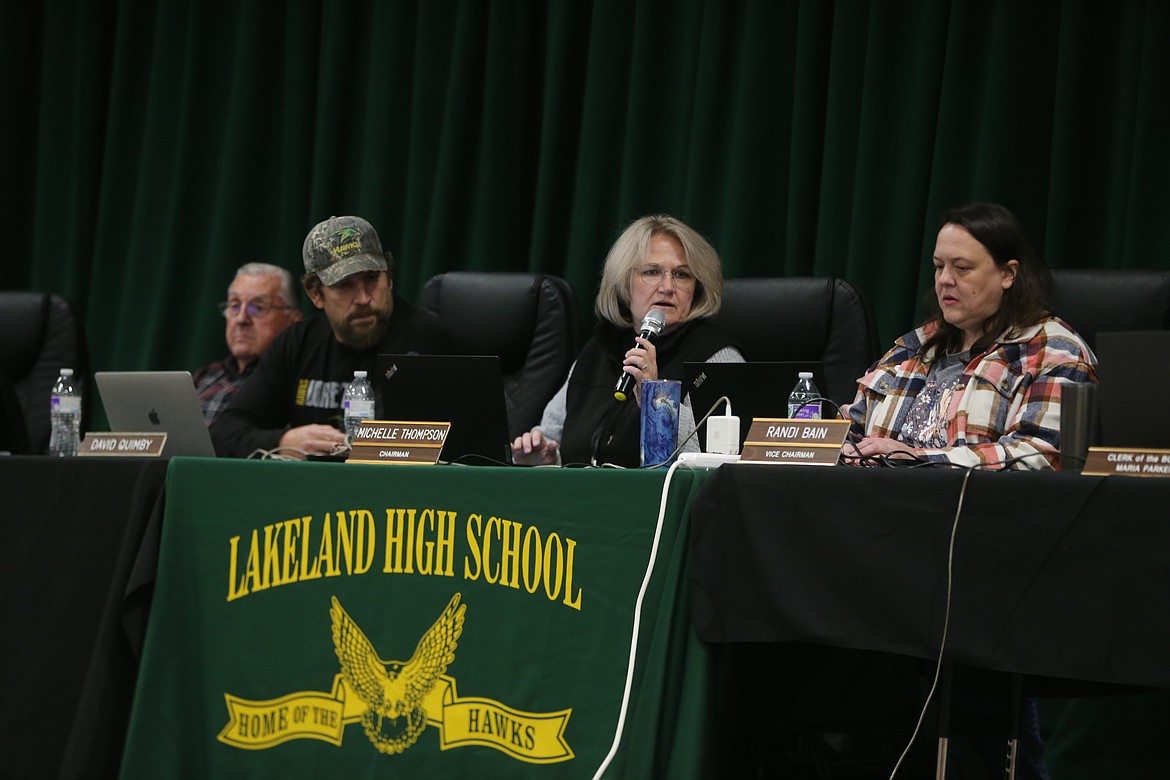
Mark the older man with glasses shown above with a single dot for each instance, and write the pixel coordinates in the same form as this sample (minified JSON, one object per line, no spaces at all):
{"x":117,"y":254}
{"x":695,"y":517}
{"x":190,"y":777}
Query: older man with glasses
{"x":261,"y":302}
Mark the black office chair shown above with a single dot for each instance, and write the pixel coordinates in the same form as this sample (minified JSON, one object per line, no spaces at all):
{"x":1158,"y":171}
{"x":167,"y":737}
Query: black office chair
{"x":13,"y":432}
{"x":1100,"y":300}
{"x":527,"y":319}
{"x":38,"y":337}
{"x":804,"y":319}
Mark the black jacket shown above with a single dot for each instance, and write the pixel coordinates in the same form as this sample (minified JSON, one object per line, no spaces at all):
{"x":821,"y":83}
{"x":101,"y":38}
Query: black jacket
{"x":598,"y":427}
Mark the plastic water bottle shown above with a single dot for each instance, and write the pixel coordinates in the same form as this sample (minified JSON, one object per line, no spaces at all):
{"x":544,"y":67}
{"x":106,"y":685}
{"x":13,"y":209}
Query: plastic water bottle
{"x":357,"y":404}
{"x":801,"y":405}
{"x":65,"y":414}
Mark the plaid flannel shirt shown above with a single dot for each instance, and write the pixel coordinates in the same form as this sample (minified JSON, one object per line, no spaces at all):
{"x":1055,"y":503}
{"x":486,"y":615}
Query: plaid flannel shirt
{"x":1007,"y":407}
{"x":216,"y":382}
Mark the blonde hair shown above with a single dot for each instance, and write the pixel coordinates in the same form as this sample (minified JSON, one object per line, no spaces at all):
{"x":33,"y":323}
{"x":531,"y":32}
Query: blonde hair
{"x":629,"y":252}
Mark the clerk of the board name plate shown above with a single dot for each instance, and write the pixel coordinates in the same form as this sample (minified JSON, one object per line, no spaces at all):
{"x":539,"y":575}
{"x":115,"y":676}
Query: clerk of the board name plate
{"x":1127,"y":461}
{"x":395,"y":441}
{"x":791,"y":442}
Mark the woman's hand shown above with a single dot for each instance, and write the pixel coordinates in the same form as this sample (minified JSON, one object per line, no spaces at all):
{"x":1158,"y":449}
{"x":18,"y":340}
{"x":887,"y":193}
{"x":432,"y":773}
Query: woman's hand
{"x":534,"y":449}
{"x":873,"y":446}
{"x":642,"y":364}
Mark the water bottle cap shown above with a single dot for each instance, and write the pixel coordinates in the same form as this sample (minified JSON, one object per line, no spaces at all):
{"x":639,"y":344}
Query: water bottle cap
{"x":362,"y":374}
{"x":805,"y":375}
{"x":67,"y":372}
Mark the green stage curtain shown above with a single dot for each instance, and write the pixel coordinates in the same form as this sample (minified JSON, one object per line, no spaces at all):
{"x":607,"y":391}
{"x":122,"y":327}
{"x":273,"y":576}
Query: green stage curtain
{"x":150,"y":148}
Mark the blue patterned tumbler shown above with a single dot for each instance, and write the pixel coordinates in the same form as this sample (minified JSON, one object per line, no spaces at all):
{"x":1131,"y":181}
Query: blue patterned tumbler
{"x":660,"y":402}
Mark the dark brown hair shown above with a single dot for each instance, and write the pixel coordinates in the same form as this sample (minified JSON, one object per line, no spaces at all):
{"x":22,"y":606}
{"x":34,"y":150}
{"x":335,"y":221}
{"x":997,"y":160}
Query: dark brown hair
{"x":1024,"y":303}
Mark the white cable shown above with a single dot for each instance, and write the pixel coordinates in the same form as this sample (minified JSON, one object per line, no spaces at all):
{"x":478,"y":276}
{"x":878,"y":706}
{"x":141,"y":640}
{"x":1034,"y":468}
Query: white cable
{"x":946,"y":624}
{"x":617,"y":737}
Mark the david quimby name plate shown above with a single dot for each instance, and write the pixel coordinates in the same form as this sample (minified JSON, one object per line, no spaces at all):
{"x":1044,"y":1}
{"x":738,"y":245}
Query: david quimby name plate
{"x":807,"y":442}
{"x":389,"y":441}
{"x":123,"y":445}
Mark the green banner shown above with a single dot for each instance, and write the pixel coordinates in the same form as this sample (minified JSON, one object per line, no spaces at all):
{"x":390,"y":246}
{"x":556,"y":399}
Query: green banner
{"x":345,"y":620}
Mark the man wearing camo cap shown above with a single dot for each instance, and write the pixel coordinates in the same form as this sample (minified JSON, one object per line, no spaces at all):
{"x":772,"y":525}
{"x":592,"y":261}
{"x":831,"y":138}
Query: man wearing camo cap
{"x":292,"y":402}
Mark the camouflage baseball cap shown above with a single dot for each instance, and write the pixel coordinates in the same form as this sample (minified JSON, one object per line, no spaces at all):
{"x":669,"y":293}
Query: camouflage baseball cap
{"x":340,"y":247}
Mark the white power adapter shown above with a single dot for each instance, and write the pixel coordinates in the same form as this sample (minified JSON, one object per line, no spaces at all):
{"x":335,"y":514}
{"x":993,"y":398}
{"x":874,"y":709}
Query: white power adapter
{"x":723,"y":433}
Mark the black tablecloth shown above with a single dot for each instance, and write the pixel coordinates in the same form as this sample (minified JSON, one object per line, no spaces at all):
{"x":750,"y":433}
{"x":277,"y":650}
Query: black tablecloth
{"x":1060,"y":575}
{"x":72,"y":533}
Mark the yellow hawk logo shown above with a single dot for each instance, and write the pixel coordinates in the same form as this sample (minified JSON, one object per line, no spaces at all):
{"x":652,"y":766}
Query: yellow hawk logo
{"x":394,"y":690}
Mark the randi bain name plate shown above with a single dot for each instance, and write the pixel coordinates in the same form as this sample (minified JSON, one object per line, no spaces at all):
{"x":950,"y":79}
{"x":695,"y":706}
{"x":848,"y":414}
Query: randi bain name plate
{"x":390,"y":441}
{"x":1135,"y":462}
{"x":804,"y":442}
{"x":123,"y":445}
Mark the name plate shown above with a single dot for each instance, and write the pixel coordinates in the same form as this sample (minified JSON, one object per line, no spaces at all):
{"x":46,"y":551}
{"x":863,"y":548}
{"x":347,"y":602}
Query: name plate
{"x":123,"y":445}
{"x":1104,"y":461}
{"x":805,"y":442}
{"x":390,"y":441}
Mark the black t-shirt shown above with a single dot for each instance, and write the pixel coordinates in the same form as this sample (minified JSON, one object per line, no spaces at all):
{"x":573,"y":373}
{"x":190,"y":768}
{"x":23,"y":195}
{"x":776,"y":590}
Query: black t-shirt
{"x":301,"y":377}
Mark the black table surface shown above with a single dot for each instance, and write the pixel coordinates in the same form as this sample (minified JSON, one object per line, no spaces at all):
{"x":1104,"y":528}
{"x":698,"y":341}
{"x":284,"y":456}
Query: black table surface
{"x":74,"y":532}
{"x":1058,"y":575}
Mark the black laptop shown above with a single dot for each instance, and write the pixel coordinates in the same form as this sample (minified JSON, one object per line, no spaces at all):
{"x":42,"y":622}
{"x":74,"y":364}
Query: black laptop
{"x":755,"y":389}
{"x":1133,"y":369}
{"x":464,"y":390}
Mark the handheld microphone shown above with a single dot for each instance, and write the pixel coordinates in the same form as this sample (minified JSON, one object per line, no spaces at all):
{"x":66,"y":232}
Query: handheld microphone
{"x":652,"y":325}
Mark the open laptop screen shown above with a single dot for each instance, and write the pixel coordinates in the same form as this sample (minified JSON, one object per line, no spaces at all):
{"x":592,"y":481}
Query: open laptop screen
{"x":1131,"y":366}
{"x":465,"y":390}
{"x":757,"y":389}
{"x":156,"y":402}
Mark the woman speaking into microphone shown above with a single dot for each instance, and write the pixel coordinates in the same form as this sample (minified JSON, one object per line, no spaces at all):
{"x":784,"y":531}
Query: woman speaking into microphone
{"x":657,"y":263}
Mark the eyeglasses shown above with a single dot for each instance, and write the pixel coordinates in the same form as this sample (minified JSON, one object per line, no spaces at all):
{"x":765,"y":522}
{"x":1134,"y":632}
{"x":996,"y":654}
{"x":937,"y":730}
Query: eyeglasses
{"x":255,"y":309}
{"x":681,"y":277}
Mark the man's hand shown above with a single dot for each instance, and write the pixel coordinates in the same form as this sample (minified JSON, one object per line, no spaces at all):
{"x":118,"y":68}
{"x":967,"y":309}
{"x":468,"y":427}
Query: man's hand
{"x":313,"y":439}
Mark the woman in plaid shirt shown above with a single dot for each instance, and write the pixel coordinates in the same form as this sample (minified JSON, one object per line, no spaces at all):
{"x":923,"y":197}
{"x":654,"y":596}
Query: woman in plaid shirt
{"x":979,"y":383}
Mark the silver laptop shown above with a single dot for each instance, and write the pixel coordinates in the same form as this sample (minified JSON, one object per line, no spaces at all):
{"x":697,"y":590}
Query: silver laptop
{"x":156,"y":402}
